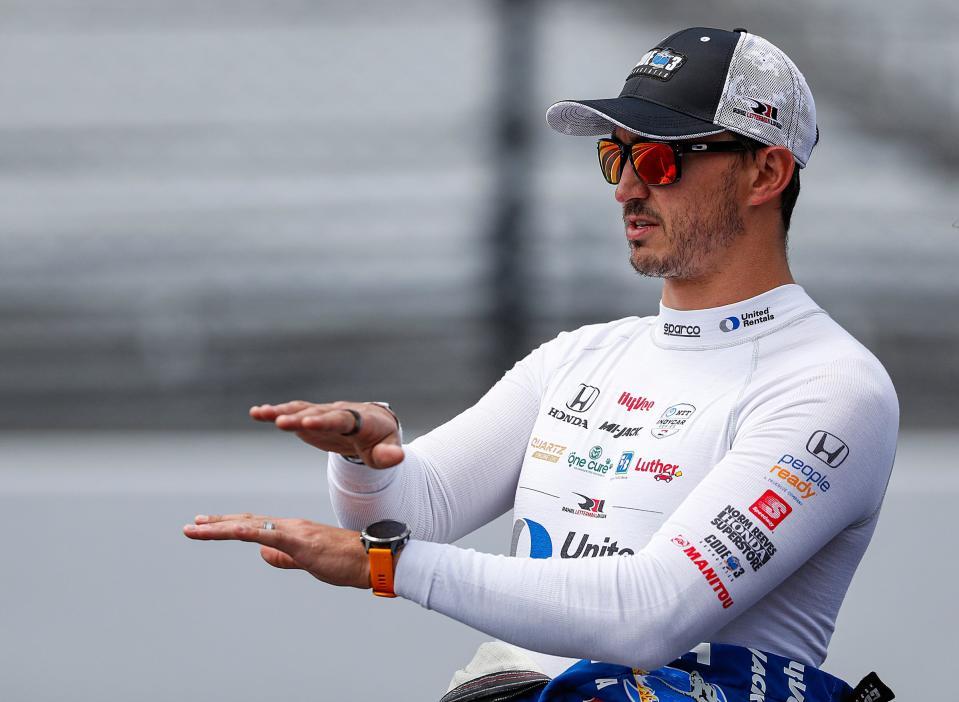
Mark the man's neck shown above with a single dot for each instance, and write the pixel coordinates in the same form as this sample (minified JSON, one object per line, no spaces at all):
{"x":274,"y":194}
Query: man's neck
{"x":735,"y":281}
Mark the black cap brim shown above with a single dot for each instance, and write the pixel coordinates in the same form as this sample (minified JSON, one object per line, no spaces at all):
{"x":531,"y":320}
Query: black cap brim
{"x":598,"y":117}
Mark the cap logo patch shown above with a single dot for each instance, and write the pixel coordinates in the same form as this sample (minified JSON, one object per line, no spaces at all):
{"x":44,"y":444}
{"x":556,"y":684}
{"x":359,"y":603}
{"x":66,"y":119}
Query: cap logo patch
{"x":761,"y":111}
{"x":659,"y":63}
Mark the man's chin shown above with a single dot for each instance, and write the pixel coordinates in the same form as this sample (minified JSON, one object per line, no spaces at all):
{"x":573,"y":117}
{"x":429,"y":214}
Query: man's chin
{"x":646,"y":264}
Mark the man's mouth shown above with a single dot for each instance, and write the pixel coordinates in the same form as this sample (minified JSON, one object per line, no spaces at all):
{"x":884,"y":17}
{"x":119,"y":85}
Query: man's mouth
{"x":639,"y":226}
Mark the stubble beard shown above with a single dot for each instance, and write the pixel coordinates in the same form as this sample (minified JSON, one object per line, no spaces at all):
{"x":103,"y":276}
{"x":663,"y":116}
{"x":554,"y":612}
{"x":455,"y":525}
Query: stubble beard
{"x":691,"y":238}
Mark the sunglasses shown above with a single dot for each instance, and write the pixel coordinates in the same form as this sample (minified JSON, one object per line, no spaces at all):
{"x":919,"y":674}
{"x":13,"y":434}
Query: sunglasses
{"x":655,"y":162}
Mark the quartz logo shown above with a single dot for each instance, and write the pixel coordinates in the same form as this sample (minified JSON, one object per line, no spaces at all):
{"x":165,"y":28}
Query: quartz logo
{"x":546,"y":450}
{"x":672,"y":420}
{"x":770,"y":509}
{"x":531,"y":538}
{"x":584,"y":399}
{"x":828,"y":448}
{"x":589,"y":507}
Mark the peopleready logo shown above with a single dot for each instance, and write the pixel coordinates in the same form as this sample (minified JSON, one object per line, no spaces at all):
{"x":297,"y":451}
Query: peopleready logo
{"x":746,"y":319}
{"x":688,"y":330}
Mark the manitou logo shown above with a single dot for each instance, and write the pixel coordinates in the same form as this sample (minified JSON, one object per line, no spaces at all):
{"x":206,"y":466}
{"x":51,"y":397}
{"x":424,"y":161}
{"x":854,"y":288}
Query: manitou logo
{"x":584,"y":398}
{"x":828,"y":448}
{"x":710,"y":575}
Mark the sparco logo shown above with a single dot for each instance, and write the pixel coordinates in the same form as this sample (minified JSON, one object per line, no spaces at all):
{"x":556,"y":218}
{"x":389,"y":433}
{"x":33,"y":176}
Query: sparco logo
{"x":584,"y":398}
{"x":828,"y":448}
{"x":710,"y":575}
{"x":690,"y":330}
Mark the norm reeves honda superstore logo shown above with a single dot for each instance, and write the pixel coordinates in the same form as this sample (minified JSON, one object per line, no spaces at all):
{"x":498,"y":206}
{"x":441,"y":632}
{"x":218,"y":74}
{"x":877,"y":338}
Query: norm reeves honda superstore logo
{"x":581,"y":402}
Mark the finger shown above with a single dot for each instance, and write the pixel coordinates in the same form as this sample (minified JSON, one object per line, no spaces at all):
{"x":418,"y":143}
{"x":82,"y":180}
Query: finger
{"x":267,"y":413}
{"x":240,"y":531}
{"x":241,"y":517}
{"x":340,"y":422}
{"x":294,"y":420}
{"x":278,"y":559}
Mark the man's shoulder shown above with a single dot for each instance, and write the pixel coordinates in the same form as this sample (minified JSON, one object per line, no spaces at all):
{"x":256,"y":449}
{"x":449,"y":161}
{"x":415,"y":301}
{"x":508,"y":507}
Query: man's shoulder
{"x":603,"y":334}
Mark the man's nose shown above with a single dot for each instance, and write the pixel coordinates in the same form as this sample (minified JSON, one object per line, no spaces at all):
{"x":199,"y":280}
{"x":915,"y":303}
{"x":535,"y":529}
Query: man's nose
{"x":630,"y":185}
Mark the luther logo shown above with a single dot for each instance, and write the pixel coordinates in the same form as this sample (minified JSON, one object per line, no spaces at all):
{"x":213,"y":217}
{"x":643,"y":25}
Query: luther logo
{"x":584,"y":399}
{"x":828,"y":448}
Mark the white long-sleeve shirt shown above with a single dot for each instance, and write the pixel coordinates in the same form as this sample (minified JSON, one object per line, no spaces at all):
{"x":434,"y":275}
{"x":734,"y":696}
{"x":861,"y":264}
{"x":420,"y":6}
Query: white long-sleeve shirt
{"x":708,"y":475}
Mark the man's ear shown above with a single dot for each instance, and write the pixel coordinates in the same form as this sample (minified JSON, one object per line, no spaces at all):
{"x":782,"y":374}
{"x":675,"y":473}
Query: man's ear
{"x":773,"y":168}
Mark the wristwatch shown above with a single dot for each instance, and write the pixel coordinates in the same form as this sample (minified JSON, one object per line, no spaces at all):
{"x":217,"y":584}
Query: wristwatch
{"x":382,"y":541}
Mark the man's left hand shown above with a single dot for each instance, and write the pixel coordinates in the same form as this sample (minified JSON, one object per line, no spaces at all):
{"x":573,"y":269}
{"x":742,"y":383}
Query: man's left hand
{"x":330,"y":554}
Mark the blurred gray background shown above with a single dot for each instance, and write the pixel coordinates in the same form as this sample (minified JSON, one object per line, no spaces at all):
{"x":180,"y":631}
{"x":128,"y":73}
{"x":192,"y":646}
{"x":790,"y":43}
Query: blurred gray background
{"x":210,"y":204}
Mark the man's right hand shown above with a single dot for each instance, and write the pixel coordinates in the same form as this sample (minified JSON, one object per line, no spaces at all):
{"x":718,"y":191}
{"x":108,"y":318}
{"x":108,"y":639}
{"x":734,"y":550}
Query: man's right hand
{"x":325,"y":426}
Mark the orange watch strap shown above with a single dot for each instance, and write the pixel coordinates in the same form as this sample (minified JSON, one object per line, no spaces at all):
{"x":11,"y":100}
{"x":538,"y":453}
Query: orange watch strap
{"x":381,"y":571}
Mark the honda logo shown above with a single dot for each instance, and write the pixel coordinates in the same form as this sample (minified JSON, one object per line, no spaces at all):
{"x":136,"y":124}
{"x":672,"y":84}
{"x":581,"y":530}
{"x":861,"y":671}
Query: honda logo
{"x":828,"y":448}
{"x":584,"y":398}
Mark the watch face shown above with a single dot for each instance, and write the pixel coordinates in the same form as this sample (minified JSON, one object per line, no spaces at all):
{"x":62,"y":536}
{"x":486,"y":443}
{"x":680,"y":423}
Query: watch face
{"x":387,"y":529}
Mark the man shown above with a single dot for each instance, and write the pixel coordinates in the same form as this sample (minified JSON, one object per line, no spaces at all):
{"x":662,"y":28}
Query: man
{"x":712,"y":474}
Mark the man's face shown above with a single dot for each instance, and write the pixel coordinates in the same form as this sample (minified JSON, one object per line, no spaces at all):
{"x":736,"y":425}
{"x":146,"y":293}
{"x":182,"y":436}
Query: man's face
{"x":682,"y":230}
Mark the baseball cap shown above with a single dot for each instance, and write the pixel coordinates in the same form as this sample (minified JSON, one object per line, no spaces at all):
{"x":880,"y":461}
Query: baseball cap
{"x":702,"y":81}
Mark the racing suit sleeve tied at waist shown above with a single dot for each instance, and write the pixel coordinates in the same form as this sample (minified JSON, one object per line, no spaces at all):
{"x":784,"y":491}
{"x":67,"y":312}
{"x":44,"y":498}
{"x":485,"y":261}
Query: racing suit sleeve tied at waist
{"x":712,"y":673}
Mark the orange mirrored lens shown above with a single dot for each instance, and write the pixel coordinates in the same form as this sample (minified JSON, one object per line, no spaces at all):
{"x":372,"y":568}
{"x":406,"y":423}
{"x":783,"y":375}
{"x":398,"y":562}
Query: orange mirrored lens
{"x":655,"y":164}
{"x":610,"y":160}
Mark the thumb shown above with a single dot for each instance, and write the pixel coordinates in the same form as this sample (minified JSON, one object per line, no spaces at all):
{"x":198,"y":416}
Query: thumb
{"x":278,"y":559}
{"x":385,"y":455}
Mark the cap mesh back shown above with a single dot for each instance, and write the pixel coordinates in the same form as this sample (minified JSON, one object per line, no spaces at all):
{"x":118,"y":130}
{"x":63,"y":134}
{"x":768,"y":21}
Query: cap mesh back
{"x":767,"y":98}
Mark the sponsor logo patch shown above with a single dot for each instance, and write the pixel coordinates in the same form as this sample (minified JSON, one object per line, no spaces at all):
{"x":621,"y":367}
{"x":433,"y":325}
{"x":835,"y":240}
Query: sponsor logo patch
{"x":709,"y":573}
{"x":800,"y":480}
{"x":584,"y":398}
{"x":659,"y":63}
{"x":749,"y":539}
{"x":672,"y":420}
{"x":618,"y":430}
{"x":691,"y":331}
{"x":770,"y":509}
{"x":622,"y":468}
{"x":635,"y":403}
{"x":588,"y":507}
{"x":759,"y":111}
{"x":663,"y":472}
{"x":746,"y":319}
{"x":591,"y":465}
{"x":828,"y":448}
{"x":546,"y":450}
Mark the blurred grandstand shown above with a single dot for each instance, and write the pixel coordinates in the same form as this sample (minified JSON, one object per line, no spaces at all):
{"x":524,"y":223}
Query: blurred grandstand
{"x":213,"y":204}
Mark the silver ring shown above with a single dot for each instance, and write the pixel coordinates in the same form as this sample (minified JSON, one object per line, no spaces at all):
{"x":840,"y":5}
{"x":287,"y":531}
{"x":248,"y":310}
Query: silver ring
{"x":269,"y":526}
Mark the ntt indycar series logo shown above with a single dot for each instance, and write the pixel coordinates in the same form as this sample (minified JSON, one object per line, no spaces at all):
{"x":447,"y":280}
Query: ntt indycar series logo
{"x":746,"y":319}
